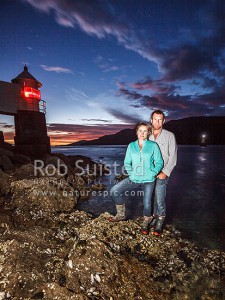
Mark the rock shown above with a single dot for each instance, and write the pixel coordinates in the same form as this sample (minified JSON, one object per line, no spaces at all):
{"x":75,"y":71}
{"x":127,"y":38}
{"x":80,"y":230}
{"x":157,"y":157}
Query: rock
{"x":24,"y":172}
{"x":50,"y":250}
{"x":40,"y":198}
{"x":6,"y":163}
{"x":63,"y":157}
{"x":6,"y":146}
{"x":4,"y":183}
{"x":82,"y":258}
{"x":55,"y":161}
{"x":6,"y":152}
{"x":98,"y":187}
{"x":6,"y":221}
{"x":77,"y":182}
{"x":20,"y":159}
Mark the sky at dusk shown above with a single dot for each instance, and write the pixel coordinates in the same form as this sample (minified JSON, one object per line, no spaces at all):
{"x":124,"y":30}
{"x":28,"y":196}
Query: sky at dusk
{"x":105,"y":65}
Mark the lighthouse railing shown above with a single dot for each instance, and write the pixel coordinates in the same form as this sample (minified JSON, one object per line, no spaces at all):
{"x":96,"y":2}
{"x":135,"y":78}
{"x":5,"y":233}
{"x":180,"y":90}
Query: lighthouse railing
{"x":42,"y":106}
{"x":31,"y":105}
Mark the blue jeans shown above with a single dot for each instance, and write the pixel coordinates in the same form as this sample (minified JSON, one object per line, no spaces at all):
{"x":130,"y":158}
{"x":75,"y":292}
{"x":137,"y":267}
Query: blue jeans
{"x":126,"y":185}
{"x":160,"y":197}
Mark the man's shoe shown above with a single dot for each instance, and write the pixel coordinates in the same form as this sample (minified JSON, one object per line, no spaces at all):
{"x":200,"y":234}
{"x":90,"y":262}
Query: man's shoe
{"x":159,"y":226}
{"x":157,"y":232}
{"x":153,"y":222}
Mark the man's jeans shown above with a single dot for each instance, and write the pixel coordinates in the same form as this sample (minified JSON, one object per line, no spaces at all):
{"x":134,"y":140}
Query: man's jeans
{"x":126,"y":185}
{"x":160,"y":197}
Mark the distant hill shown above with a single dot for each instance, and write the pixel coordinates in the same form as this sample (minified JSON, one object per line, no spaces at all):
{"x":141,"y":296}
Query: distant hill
{"x":188,"y":131}
{"x":79,"y":143}
{"x":122,"y":137}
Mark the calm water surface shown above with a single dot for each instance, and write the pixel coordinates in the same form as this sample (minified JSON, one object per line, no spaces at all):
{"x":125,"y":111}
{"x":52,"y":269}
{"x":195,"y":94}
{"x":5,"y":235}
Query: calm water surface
{"x":196,"y":191}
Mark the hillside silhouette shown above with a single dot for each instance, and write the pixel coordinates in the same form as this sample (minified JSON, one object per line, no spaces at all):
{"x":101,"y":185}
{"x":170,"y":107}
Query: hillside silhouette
{"x":188,"y":131}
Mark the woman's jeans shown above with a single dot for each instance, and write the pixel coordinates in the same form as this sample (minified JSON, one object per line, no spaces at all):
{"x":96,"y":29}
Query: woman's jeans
{"x":160,"y":197}
{"x":126,"y":185}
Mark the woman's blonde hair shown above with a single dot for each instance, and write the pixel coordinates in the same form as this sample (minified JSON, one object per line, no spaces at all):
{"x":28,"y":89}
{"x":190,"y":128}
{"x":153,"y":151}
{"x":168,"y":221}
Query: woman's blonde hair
{"x":143,"y":123}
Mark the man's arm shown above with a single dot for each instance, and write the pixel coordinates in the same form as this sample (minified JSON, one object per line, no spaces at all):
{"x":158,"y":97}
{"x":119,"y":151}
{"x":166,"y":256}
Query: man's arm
{"x":172,"y":152}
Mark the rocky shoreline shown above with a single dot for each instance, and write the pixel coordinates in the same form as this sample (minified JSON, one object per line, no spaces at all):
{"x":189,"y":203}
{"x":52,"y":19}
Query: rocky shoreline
{"x":50,"y":250}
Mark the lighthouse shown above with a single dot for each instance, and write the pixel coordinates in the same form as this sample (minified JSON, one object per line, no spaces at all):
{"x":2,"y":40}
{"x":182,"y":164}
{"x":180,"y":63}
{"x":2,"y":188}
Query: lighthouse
{"x":22,"y":99}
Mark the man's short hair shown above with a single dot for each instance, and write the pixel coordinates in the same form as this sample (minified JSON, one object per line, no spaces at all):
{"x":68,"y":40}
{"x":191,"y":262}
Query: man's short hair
{"x":158,"y":112}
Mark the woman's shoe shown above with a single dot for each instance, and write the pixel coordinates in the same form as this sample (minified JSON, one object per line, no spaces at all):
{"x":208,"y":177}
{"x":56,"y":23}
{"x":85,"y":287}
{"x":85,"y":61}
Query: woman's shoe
{"x":120,"y":216}
{"x":145,"y":225}
{"x":117,"y":218}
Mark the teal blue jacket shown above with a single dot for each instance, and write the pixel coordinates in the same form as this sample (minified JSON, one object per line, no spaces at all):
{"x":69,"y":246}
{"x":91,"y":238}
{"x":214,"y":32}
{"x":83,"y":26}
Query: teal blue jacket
{"x":143,"y":166}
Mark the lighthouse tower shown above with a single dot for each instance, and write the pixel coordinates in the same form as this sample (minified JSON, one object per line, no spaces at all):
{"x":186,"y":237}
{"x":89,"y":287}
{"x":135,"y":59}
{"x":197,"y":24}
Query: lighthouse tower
{"x":30,"y":124}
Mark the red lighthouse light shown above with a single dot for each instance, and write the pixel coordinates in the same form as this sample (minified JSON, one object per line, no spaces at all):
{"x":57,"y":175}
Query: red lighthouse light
{"x":29,"y":92}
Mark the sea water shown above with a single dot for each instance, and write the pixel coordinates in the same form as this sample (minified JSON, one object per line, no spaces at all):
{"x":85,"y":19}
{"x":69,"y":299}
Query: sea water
{"x":195,"y":195}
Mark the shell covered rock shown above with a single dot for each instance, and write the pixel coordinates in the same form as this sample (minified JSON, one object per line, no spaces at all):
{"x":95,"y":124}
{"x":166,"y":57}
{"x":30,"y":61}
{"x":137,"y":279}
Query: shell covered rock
{"x":96,"y":259}
{"x":50,"y":250}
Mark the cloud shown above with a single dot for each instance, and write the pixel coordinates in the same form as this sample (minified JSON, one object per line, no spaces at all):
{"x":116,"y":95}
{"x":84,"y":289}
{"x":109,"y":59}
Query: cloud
{"x":130,"y":94}
{"x":56,"y":69}
{"x":214,"y":99}
{"x":80,"y":129}
{"x":204,"y":53}
{"x":76,"y":95}
{"x":6,"y":126}
{"x":184,"y":62}
{"x":126,"y":118}
{"x":154,"y":85}
{"x":197,"y":56}
{"x":8,"y":132}
{"x":105,"y":64}
{"x":112,"y":68}
{"x":173,"y":103}
{"x":96,"y":120}
{"x":178,"y":61}
{"x":208,"y":82}
{"x":107,"y":68}
{"x":95,"y":18}
{"x":9,"y":126}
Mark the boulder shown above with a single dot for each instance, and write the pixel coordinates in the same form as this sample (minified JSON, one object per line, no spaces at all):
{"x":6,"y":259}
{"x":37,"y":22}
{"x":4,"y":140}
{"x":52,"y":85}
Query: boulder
{"x":20,"y":159}
{"x":6,"y":152}
{"x":40,"y":198}
{"x":24,"y":172}
{"x":6,"y":146}
{"x":5,"y":180}
{"x":6,"y":163}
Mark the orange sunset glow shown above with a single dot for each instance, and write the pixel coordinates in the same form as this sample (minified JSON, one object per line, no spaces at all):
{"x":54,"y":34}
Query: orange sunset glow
{"x":60,"y":136}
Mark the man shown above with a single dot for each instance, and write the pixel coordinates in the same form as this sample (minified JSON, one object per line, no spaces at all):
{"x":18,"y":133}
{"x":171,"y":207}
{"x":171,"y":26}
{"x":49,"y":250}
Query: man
{"x":168,"y":146}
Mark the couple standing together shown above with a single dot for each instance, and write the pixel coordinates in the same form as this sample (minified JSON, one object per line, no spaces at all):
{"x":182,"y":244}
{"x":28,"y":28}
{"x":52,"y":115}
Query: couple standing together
{"x":149,"y":162}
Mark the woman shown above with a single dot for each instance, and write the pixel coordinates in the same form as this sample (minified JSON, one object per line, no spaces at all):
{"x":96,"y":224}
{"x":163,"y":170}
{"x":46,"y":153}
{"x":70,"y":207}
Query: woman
{"x":143,"y":161}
